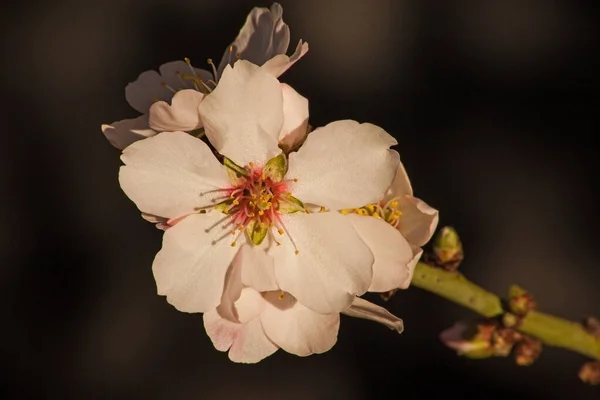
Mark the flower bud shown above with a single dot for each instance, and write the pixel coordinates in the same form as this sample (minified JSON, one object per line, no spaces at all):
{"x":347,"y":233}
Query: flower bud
{"x":527,"y":351}
{"x":590,"y":372}
{"x":471,"y":339}
{"x":592,"y":326}
{"x":503,"y":341}
{"x":448,"y":248}
{"x":520,"y":301}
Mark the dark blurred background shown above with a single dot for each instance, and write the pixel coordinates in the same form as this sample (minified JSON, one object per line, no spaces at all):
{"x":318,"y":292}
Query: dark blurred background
{"x":491,"y":102}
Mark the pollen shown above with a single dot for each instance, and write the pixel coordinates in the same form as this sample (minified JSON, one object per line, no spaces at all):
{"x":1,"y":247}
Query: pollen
{"x":253,"y":205}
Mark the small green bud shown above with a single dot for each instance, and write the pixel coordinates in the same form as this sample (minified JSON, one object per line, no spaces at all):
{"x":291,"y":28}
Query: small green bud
{"x":448,"y":248}
{"x":520,"y":301}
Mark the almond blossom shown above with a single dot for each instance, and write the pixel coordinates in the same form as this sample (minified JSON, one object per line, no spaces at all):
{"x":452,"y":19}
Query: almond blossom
{"x":252,"y":325}
{"x":404,"y":223}
{"x":168,"y":99}
{"x":259,"y":197}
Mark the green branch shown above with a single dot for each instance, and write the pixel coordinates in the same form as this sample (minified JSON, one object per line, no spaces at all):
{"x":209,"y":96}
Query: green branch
{"x":550,"y":330}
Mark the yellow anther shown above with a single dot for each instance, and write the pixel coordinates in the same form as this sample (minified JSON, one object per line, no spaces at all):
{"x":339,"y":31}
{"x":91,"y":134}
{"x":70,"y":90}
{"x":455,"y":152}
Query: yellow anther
{"x":281,"y":295}
{"x":261,"y":212}
{"x":280,"y":231}
{"x":344,"y":211}
{"x":394,"y":204}
{"x":210,"y":61}
{"x":250,"y":163}
{"x":236,"y":202}
{"x":278,"y":243}
{"x":297,"y":251}
{"x":233,"y":244}
{"x":269,"y":204}
{"x":295,"y":179}
{"x":187,"y":60}
{"x":322,"y":209}
{"x":251,"y":203}
{"x":231,"y":49}
{"x":251,"y":215}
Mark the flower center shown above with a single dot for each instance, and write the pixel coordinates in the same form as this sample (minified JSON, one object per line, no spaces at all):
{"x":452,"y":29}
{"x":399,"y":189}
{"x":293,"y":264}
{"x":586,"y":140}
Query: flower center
{"x":254,"y":203}
{"x":389,"y":212}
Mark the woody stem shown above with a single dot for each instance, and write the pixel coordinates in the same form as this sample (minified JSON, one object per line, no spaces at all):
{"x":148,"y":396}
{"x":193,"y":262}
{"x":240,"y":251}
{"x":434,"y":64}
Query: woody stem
{"x":550,"y":330}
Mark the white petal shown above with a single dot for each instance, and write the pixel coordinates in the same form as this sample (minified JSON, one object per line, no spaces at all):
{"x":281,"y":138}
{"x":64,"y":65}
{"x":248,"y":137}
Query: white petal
{"x":332,"y":266}
{"x":122,"y":133}
{"x":277,"y":65}
{"x":190,"y":268}
{"x":257,"y":268}
{"x":176,"y":74}
{"x":417,"y":253}
{"x":344,"y":165}
{"x":166,"y":175}
{"x":295,"y":118}
{"x":232,"y":289}
{"x":418,"y":220}
{"x":362,"y":308}
{"x":391,"y":251}
{"x":181,"y":115}
{"x":246,"y":342}
{"x":400,"y":186}
{"x":296,"y":328}
{"x":263,"y":36}
{"x":244,"y":114}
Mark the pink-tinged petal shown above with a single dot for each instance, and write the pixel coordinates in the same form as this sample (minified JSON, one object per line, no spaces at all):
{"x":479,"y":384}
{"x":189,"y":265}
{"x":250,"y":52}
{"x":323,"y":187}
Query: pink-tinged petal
{"x":344,"y":165}
{"x":362,"y":308}
{"x":277,"y":65}
{"x":181,"y":115}
{"x":191,"y":266}
{"x":263,"y":36}
{"x":246,"y":341}
{"x":122,"y":133}
{"x":400,"y":186}
{"x":244,"y":114}
{"x":333,"y":264}
{"x":168,"y":174}
{"x":257,"y":270}
{"x":296,"y":328}
{"x":418,"y":220}
{"x":295,"y":118}
{"x":391,"y":251}
{"x":417,"y":253}
{"x":232,"y":289}
{"x":179,"y":76}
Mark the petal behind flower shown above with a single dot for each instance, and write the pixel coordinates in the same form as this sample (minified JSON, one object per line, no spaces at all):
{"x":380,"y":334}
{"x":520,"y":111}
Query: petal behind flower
{"x":391,"y":250}
{"x":122,"y":133}
{"x":246,"y":341}
{"x":166,"y":175}
{"x":400,"y":186}
{"x":243,"y":116}
{"x":344,"y":165}
{"x":263,"y":36}
{"x":277,"y":65}
{"x":418,"y":220}
{"x":296,"y":328}
{"x":332,"y":265}
{"x":362,"y":308}
{"x":181,"y":115}
{"x":295,"y":118}
{"x":190,"y":268}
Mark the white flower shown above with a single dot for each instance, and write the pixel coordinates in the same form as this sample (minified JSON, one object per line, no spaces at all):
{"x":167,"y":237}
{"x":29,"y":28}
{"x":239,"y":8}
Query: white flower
{"x":259,"y":197}
{"x":253,"y":325}
{"x":168,"y":100}
{"x":402,"y":225}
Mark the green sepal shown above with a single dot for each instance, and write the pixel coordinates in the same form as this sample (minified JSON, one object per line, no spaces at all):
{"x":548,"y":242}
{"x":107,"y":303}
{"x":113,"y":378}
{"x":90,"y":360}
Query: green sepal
{"x":234,"y":171}
{"x":290,"y":204}
{"x":276,"y":168}
{"x":224,"y":205}
{"x":257,"y":231}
